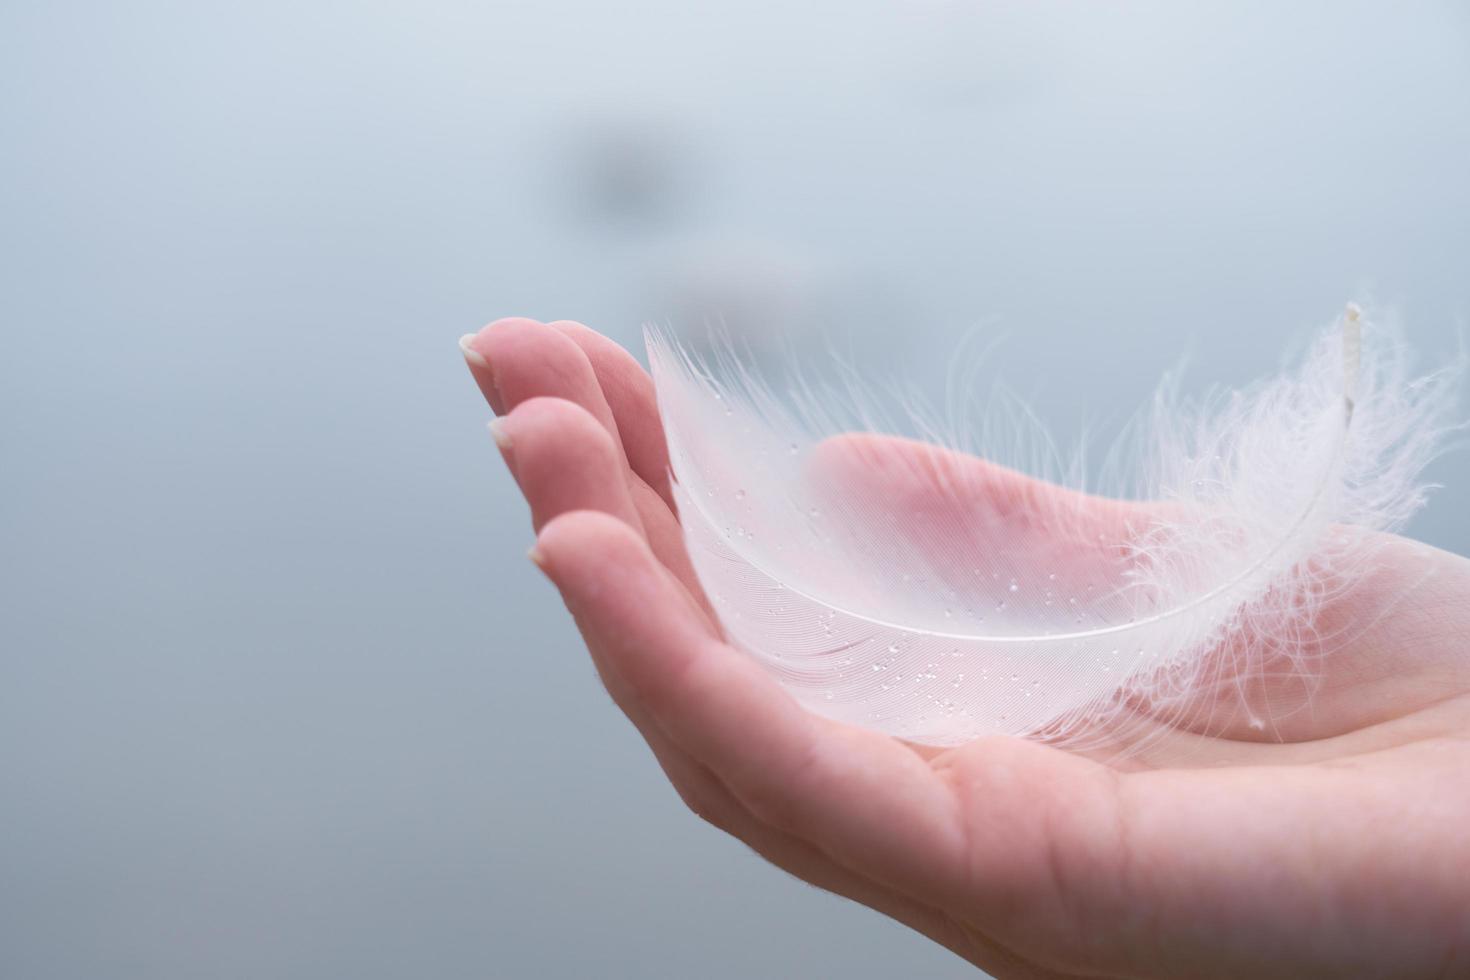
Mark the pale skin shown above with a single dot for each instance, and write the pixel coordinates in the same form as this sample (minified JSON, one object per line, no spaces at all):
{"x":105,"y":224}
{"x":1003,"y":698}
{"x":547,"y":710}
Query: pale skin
{"x":1332,"y":842}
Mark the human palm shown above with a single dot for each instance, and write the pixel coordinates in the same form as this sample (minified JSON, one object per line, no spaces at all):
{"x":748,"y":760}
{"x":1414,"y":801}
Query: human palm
{"x":1329,"y":838}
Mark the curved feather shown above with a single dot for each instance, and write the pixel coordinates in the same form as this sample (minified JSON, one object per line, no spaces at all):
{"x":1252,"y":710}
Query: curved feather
{"x":918,"y":591}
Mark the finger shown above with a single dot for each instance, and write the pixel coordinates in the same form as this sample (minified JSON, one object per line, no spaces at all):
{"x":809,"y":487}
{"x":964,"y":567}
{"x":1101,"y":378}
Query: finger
{"x":531,"y":360}
{"x":480,"y":367}
{"x":845,"y":790}
{"x":525,"y":359}
{"x":705,"y":795}
{"x":563,"y":460}
{"x":860,"y":800}
{"x":710,"y":800}
{"x":630,"y":395}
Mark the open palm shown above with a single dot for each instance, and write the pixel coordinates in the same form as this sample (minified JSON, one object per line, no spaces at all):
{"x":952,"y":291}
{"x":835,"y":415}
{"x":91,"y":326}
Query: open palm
{"x":1333,"y":841}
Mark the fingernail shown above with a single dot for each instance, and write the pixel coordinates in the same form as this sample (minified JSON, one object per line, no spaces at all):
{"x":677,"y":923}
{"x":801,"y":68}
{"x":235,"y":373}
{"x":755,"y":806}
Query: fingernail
{"x":474,"y":357}
{"x":482,"y":371}
{"x":498,"y":433}
{"x":537,"y":558}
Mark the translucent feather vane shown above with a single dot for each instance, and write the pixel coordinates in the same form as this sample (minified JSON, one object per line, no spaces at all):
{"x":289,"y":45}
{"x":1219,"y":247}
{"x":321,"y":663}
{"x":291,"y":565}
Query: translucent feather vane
{"x":940,"y":597}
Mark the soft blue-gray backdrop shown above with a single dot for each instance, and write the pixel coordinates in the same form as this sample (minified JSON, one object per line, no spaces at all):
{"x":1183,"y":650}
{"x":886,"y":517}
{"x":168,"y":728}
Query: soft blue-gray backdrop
{"x":279,"y":695}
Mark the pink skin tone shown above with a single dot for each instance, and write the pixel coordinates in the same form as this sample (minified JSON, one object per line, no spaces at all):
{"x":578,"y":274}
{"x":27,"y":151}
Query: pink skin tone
{"x":1335,"y":842}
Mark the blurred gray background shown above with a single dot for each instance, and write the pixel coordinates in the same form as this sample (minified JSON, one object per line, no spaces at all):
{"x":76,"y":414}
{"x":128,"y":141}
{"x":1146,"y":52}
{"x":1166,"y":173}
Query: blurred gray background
{"x":279,"y":694}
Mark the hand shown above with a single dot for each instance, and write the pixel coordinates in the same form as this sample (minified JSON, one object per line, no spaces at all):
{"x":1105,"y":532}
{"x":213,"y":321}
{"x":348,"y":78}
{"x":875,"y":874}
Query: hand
{"x":1333,"y":842}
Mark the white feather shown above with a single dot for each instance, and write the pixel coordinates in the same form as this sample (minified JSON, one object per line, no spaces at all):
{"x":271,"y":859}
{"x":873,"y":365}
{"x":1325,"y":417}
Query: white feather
{"x":893,"y":586}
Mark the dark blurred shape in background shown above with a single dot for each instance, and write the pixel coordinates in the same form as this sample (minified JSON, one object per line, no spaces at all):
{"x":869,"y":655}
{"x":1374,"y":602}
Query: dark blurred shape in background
{"x":624,"y":175}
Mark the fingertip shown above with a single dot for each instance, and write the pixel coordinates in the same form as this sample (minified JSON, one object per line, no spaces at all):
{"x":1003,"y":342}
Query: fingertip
{"x":476,"y":346}
{"x":501,"y":435}
{"x":509,"y":323}
{"x":581,"y":542}
{"x":563,"y":459}
{"x":473,"y":357}
{"x":556,"y":421}
{"x":479,"y":356}
{"x":537,"y":558}
{"x":529,"y":360}
{"x":503,"y":339}
{"x":638,"y":614}
{"x":606,"y":568}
